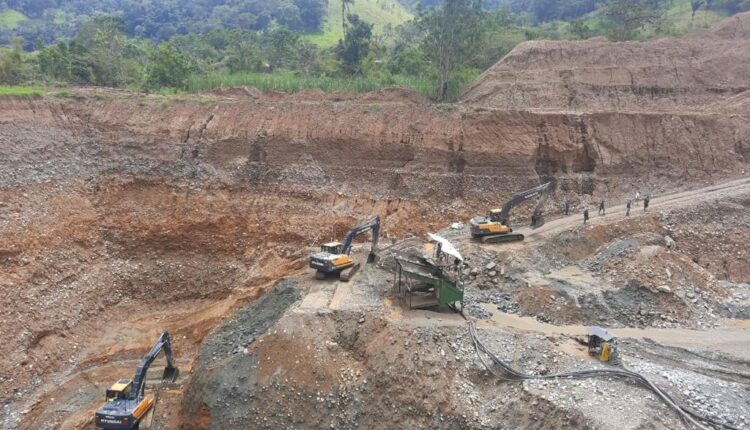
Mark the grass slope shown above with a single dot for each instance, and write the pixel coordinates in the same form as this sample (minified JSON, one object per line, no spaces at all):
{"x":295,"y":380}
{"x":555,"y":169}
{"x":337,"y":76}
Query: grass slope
{"x":289,"y":82}
{"x":678,"y":18}
{"x":10,"y":19}
{"x":381,"y":13}
{"x":20,"y":90}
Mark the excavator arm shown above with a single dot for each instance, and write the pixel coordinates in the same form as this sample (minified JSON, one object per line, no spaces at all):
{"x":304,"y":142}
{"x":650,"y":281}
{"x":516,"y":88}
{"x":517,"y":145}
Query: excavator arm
{"x":373,"y":224}
{"x":170,"y":372}
{"x":520,"y":198}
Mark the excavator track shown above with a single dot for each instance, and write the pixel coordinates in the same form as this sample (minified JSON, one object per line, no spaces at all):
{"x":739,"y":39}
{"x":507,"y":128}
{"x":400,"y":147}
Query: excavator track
{"x":349,"y":273}
{"x":503,"y":238}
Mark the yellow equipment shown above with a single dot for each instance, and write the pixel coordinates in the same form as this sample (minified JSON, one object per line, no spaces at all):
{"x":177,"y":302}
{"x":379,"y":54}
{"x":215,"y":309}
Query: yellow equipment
{"x":494,"y":228}
{"x":126,"y":403}
{"x":334,"y":259}
{"x":602,"y":344}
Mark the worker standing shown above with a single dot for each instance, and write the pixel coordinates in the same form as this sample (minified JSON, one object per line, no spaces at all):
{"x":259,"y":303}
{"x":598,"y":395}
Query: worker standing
{"x":646,"y":202}
{"x":601,"y":208}
{"x":585,"y":216}
{"x":567,"y":208}
{"x":637,"y":196}
{"x":628,"y":205}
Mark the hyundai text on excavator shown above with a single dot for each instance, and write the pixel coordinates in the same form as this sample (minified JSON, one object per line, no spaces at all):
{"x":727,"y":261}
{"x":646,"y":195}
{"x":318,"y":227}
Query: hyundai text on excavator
{"x":495,"y":227}
{"x":334,"y":259}
{"x":126,"y":403}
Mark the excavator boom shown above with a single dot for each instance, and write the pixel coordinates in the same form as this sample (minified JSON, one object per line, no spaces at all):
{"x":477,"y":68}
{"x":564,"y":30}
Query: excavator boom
{"x":373,"y":224}
{"x":162,"y":344}
{"x":520,"y":198}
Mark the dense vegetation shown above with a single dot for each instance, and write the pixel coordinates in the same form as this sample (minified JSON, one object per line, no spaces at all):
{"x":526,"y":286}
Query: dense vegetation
{"x":284,"y":44}
{"x":162,"y":19}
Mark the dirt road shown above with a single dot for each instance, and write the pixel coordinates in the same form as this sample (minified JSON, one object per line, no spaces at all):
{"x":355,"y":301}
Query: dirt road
{"x":732,"y":339}
{"x":617,"y":212}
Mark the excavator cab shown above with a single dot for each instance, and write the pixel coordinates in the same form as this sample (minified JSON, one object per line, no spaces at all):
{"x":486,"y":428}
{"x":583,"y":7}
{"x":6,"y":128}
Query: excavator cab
{"x":495,"y":215}
{"x":119,"y":390}
{"x":331,"y":248}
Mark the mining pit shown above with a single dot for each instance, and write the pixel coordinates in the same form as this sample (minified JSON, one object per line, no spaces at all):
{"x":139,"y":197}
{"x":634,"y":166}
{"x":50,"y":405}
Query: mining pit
{"x":125,"y":214}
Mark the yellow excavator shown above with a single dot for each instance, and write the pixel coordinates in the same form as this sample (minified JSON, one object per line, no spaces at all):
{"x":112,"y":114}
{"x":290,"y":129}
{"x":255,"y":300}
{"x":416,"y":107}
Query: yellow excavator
{"x":334,"y":259}
{"x":126,"y":403}
{"x":495,"y":227}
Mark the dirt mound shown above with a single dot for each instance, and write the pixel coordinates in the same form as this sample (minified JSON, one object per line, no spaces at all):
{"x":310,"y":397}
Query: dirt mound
{"x":323,"y":370}
{"x":238,"y":92}
{"x":736,"y":27}
{"x":394,"y":94}
{"x":214,"y":398}
{"x":660,"y":75}
{"x":347,"y":355}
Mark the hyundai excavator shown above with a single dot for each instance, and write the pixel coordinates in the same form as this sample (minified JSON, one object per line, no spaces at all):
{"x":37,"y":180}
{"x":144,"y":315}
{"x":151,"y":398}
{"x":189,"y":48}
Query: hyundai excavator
{"x":495,"y":228}
{"x":126,"y":403}
{"x":333,"y":258}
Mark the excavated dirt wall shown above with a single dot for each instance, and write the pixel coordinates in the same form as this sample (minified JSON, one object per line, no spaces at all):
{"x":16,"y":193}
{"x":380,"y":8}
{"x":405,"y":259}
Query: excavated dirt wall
{"x":386,"y":150}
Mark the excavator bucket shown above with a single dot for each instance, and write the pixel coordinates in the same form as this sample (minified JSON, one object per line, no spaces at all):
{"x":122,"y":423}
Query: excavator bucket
{"x":372,"y":258}
{"x":170,"y":374}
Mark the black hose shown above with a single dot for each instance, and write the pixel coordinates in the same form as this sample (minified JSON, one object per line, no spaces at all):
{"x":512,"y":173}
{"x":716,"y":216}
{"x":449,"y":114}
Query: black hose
{"x":689,"y":417}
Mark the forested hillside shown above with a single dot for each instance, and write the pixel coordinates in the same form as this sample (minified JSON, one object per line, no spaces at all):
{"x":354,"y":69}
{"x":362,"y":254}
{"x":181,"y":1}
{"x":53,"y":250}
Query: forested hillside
{"x":162,"y":19}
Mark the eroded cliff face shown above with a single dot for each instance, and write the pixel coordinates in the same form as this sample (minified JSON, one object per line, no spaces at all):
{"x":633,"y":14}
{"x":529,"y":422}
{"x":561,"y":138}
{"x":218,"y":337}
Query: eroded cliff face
{"x":384,"y":148}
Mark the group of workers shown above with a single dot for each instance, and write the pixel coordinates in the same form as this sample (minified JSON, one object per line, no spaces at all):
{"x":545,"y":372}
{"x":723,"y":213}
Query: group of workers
{"x":602,"y":210}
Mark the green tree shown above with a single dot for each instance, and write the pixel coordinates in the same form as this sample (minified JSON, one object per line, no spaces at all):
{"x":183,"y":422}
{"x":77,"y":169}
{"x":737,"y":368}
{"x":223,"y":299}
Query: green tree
{"x":55,"y":62}
{"x":579,"y":29}
{"x":102,"y":42}
{"x":408,"y":60}
{"x":244,"y":57}
{"x":307,"y":59}
{"x":627,"y":17}
{"x":728,"y":6}
{"x":168,"y":67}
{"x":452,"y":34}
{"x":356,"y":44}
{"x":694,"y":6}
{"x":280,"y":47}
{"x":12,"y":68}
{"x":345,"y":4}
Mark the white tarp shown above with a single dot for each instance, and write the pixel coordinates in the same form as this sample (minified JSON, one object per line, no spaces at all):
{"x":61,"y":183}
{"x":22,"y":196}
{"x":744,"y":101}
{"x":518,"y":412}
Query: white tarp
{"x":446,"y":246}
{"x":600,"y":332}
